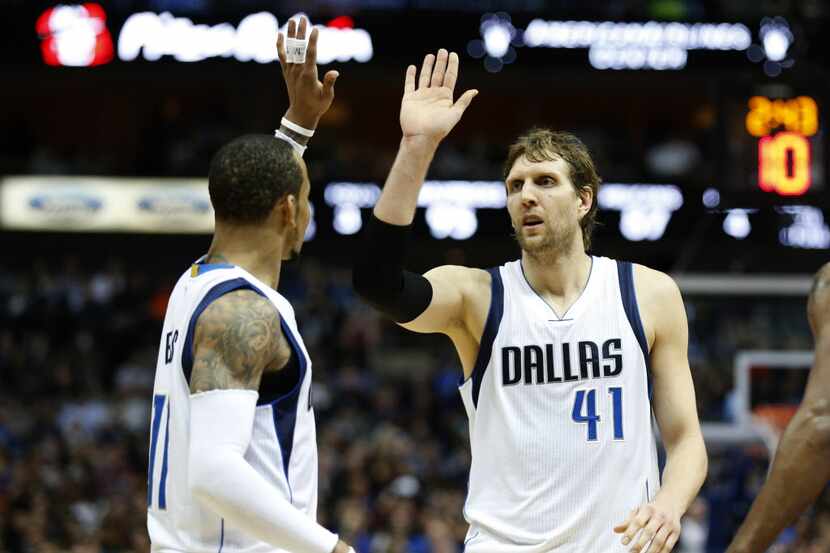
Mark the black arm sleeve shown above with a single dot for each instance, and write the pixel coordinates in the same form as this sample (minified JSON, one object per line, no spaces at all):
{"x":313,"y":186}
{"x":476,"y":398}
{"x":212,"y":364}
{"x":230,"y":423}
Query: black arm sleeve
{"x":379,"y":276}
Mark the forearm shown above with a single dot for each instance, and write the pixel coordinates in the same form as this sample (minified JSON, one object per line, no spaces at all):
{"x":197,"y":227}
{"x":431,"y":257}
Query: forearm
{"x":379,"y":275}
{"x":799,"y":473}
{"x":399,"y":199}
{"x":247,"y":501}
{"x":684,"y":473}
{"x":221,"y":479}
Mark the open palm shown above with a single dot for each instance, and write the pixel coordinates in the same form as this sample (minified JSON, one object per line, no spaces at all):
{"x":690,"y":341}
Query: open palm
{"x":428,"y":111}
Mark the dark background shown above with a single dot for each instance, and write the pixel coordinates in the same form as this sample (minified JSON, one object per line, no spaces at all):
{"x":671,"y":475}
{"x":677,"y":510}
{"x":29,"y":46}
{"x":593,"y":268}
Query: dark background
{"x":166,"y":118}
{"x":80,"y":313}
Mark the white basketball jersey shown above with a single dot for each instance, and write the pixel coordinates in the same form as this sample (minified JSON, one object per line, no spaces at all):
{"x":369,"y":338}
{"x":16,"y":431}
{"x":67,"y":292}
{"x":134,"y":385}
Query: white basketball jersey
{"x":283,"y":446}
{"x":560,"y":417}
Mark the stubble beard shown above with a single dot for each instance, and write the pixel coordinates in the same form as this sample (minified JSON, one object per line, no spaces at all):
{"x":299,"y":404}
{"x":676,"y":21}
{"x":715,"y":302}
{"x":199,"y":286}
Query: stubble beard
{"x":552,"y":244}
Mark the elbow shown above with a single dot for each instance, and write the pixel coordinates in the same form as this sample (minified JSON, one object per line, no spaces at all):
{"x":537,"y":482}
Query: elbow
{"x":689,"y":449}
{"x":377,"y":285}
{"x":201,"y":470}
{"x":816,"y":424}
{"x":704,"y":465}
{"x":701,"y":455}
{"x":197,"y":485}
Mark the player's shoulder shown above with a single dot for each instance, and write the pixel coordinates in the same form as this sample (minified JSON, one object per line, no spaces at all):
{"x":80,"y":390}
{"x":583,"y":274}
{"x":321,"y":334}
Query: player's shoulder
{"x":237,"y":336}
{"x":822,"y":277}
{"x":653,"y":285}
{"x":818,"y":302}
{"x":244,"y":310}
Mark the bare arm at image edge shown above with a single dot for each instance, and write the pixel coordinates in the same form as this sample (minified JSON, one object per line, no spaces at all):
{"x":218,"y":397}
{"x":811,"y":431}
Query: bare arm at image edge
{"x":801,"y":469}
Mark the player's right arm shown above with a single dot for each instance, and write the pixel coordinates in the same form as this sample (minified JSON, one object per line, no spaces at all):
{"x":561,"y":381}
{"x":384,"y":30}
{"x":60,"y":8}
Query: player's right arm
{"x":236,"y":338}
{"x":800,"y":469}
{"x":434,"y":302}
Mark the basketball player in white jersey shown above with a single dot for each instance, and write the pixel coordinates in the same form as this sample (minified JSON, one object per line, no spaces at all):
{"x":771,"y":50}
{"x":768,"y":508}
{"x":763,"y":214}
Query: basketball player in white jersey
{"x":801,"y":469}
{"x":233,"y":454}
{"x":560,"y":350}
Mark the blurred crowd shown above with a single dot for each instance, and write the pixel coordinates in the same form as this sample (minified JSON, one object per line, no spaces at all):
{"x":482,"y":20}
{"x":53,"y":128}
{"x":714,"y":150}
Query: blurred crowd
{"x":78,"y":347}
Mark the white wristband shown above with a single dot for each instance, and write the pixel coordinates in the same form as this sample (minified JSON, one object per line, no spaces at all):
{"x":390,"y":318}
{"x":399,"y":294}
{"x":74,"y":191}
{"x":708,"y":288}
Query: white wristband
{"x":299,"y":148}
{"x":296,"y":128}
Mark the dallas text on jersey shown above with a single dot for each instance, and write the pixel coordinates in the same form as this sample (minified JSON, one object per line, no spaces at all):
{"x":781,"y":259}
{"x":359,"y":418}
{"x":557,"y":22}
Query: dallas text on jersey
{"x":538,"y":364}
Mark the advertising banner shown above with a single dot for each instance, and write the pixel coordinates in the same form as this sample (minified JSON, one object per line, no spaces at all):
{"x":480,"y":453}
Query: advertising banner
{"x":106,"y":204}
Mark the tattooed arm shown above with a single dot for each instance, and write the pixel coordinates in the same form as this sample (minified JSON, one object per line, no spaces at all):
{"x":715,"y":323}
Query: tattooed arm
{"x":236,"y":338}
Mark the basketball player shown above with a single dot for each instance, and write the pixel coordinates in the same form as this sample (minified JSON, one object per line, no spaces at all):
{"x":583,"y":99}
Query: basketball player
{"x":558,"y":349}
{"x":233,"y":454}
{"x":801,"y":469}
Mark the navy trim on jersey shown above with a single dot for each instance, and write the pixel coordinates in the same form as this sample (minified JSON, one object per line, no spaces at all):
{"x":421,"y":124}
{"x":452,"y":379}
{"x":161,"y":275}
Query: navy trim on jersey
{"x":163,"y":478}
{"x":491,"y":328}
{"x":202,"y":268}
{"x":158,"y":407}
{"x":213,"y":294}
{"x":284,"y":408}
{"x":625,"y":273}
{"x":221,"y":536}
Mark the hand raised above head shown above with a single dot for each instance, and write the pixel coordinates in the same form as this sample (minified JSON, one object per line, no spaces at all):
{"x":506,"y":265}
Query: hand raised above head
{"x":309,"y":97}
{"x":427,"y":110}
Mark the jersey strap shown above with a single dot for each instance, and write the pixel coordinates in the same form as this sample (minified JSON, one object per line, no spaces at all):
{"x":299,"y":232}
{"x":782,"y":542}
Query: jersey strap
{"x":625,"y":273}
{"x":491,"y":328}
{"x":285,"y":407}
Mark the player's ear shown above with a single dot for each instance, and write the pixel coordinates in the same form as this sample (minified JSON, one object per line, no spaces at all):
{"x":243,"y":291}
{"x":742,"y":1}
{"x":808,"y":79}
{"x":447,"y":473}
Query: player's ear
{"x":288,"y":207}
{"x":585,"y":195}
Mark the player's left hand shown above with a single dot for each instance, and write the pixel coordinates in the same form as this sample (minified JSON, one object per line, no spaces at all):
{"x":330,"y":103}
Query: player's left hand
{"x":653,"y":523}
{"x":309,"y":98}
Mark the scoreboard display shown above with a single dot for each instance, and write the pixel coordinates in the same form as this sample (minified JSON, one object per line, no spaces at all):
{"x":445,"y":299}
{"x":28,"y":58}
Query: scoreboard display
{"x":787,"y":133}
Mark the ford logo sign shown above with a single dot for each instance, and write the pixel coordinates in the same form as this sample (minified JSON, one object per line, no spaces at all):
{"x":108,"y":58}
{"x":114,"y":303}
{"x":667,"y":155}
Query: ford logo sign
{"x":65,"y":203}
{"x":174,"y":205}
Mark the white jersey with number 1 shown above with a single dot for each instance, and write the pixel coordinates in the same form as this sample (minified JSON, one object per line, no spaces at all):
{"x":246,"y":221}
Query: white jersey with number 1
{"x":283,"y":446}
{"x":560,"y":418}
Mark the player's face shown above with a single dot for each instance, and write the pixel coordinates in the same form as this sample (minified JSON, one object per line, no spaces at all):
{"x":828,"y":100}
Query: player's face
{"x":543,"y":205}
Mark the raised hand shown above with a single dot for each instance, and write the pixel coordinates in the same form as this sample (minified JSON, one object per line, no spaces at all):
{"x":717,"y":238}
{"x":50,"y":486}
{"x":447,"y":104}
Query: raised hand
{"x":309,"y":98}
{"x":428,"y":111}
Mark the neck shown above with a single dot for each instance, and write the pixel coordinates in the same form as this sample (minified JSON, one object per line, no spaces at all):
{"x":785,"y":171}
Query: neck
{"x":254,"y":249}
{"x":563,"y":274}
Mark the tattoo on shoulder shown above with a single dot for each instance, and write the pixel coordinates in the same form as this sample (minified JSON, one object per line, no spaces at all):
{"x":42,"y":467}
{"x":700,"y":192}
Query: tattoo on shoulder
{"x":236,"y":337}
